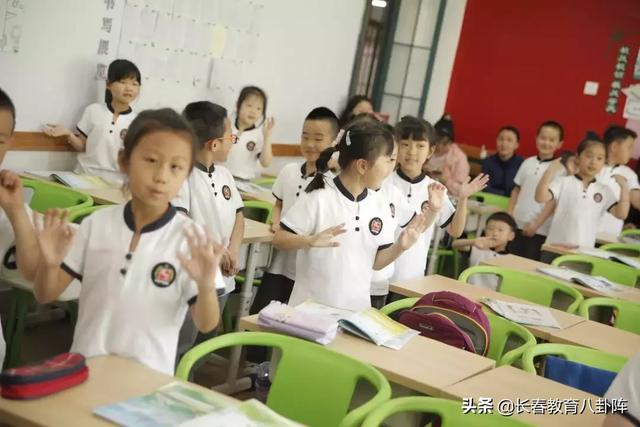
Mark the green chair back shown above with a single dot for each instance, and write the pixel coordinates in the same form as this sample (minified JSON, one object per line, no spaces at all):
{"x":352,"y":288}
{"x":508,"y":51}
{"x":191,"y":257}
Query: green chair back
{"x":507,"y":342}
{"x":631,"y":232}
{"x":626,"y":313}
{"x":573,"y":353}
{"x":628,"y":249}
{"x":313,"y":385}
{"x":501,"y":202}
{"x":449,"y":411}
{"x":47,"y":195}
{"x":531,"y":287}
{"x":78,"y":215}
{"x":258,"y":210}
{"x":595,"y":266}
{"x":265,"y":182}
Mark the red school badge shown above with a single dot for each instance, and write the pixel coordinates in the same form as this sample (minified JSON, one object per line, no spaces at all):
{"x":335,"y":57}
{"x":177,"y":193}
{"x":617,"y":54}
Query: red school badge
{"x":597,"y":197}
{"x":226,"y":192}
{"x":251,"y":145}
{"x":123,"y":133}
{"x":163,"y":274}
{"x":375,"y":226}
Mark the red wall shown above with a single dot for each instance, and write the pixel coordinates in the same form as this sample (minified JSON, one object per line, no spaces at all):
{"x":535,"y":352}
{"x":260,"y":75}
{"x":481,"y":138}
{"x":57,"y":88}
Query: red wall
{"x":522,"y":62}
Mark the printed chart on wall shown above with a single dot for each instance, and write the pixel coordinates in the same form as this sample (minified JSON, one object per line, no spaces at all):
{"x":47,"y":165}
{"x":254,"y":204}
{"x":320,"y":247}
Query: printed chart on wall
{"x":11,"y":15}
{"x":197,"y":43}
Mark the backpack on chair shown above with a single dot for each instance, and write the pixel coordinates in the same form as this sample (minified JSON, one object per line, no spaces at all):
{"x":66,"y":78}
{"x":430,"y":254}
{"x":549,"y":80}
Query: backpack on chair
{"x":450,"y":318}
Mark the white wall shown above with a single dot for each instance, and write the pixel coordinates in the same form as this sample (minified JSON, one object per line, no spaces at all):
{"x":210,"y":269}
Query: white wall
{"x":445,"y":56}
{"x":305,"y":58}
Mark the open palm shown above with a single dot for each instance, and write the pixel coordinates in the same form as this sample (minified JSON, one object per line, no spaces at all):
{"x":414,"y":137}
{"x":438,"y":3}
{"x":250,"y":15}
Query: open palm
{"x":205,"y":256}
{"x":412,"y":231}
{"x":477,"y":184}
{"x":324,"y":239}
{"x":55,"y":237}
{"x":10,"y":191}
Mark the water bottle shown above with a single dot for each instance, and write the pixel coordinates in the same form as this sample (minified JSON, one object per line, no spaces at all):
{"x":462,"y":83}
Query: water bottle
{"x":483,"y":152}
{"x":262,"y":382}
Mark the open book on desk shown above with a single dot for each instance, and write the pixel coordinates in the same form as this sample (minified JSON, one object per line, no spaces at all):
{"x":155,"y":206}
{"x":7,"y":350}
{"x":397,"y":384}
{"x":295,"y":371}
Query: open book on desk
{"x":613,"y":256}
{"x":525,"y":314}
{"x":75,"y":180}
{"x":597,"y":283}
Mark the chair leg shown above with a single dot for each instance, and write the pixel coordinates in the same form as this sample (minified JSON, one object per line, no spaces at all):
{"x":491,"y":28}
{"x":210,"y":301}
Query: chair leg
{"x":20,"y":305}
{"x":456,"y":264}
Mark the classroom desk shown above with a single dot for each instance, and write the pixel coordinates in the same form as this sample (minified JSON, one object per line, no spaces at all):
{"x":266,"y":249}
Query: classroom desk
{"x":435,"y":283}
{"x":423,"y":365}
{"x":515,"y":262}
{"x":507,"y":382}
{"x":111,"y":379}
{"x":601,"y":337}
{"x":101,"y":196}
{"x":264,"y":196}
{"x":601,"y":239}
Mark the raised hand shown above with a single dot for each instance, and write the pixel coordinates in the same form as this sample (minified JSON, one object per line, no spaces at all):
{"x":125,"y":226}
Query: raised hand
{"x":205,"y":256}
{"x":55,"y":237}
{"x":324,"y":239}
{"x":56,"y":130}
{"x":556,"y":165}
{"x":229,"y":264}
{"x":621,"y":180}
{"x":436,"y":196}
{"x":529,"y":230}
{"x":412,"y":231}
{"x":267,"y":127}
{"x":11,"y":197}
{"x":469,"y":187}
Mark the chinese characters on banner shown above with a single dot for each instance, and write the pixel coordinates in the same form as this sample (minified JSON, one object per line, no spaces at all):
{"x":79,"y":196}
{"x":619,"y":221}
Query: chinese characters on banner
{"x":616,"y":84}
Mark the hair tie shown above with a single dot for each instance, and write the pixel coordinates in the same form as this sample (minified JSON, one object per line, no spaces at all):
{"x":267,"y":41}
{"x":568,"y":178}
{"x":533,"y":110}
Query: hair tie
{"x":336,"y":141}
{"x":347,"y":139}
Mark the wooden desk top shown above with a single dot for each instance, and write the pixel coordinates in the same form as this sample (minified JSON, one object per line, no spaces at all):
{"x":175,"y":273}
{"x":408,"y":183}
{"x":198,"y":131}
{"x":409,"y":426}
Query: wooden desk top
{"x":478,"y":208}
{"x":434,"y":283}
{"x":255,"y":231}
{"x":601,"y":239}
{"x":507,"y":382}
{"x":423,"y":364}
{"x":515,"y":262}
{"x":111,"y":379}
{"x":264,"y":196}
{"x":601,"y":337}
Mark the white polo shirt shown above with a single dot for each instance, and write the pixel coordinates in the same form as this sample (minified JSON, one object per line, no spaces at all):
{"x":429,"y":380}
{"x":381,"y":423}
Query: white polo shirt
{"x":403,"y":213}
{"x":290,"y":183}
{"x":105,"y":139}
{"x":487,"y":281}
{"x":626,"y":385}
{"x":609,"y":223}
{"x":527,"y":178}
{"x":210,"y":197}
{"x":578,"y":210}
{"x":131,"y":303}
{"x":412,"y":263}
{"x":340,"y":276}
{"x":243,"y":157}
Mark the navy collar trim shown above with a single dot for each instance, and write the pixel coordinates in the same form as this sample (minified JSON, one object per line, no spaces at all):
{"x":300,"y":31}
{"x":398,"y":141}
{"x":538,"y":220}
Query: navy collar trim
{"x":579,"y":178}
{"x":203,"y":168}
{"x":252,"y":127}
{"x":155,"y":225}
{"x":340,"y":186}
{"x":127,"y":111}
{"x":545,"y":160}
{"x":415,"y":180}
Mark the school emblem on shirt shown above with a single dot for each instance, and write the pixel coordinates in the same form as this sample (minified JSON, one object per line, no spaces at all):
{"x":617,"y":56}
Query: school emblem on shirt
{"x":393,"y":210}
{"x":424,"y":206}
{"x":251,"y":145}
{"x":597,"y":197}
{"x":123,"y":133}
{"x":163,"y":274}
{"x":226,"y":192}
{"x":375,"y":226}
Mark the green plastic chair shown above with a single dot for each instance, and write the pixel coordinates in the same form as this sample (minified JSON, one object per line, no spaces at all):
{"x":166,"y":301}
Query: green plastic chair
{"x":573,"y":353}
{"x":507,"y":342}
{"x":496,"y":200}
{"x":48,"y":195}
{"x":628,"y":249}
{"x":595,"y":266}
{"x":449,"y":412}
{"x":258,"y":210}
{"x":80,"y":214}
{"x":626,"y":313}
{"x":313,"y":385}
{"x":631,"y":232}
{"x":265,"y":182}
{"x":532,"y":287}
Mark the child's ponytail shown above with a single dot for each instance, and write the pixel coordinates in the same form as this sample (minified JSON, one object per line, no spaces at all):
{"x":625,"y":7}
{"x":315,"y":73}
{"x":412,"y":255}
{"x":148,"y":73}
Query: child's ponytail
{"x":322,"y":166}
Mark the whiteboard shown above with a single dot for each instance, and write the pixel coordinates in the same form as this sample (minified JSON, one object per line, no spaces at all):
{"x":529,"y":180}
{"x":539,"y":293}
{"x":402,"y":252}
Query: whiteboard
{"x":301,"y":53}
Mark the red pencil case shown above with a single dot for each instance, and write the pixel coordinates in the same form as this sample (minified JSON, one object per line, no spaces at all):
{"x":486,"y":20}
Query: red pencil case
{"x":43,"y":378}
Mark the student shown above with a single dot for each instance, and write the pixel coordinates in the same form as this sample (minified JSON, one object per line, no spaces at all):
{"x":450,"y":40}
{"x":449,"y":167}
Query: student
{"x":619,"y":142}
{"x":210,"y":197}
{"x":530,"y":215}
{"x":625,"y":387}
{"x":499,"y":231}
{"x":139,"y":272}
{"x":253,"y":131}
{"x":102,"y":128}
{"x":318,"y":132}
{"x":342,"y":230}
{"x":14,"y":214}
{"x":580,"y":200}
{"x":414,"y":136}
{"x":448,"y":164}
{"x":357,"y":104}
{"x":503,"y":166}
